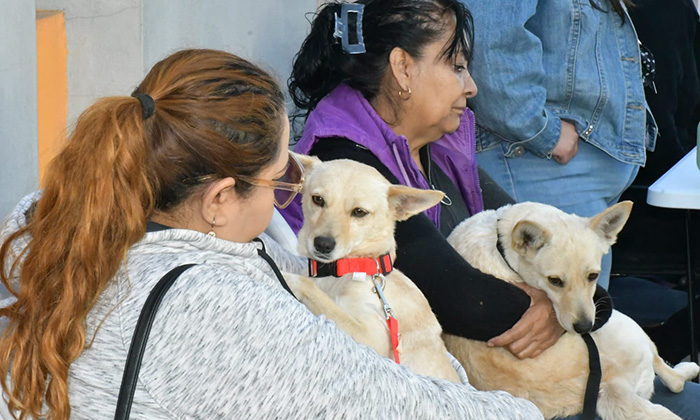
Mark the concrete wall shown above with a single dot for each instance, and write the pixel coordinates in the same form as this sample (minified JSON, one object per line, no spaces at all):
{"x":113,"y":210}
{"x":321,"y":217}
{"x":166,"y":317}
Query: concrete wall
{"x":267,"y":32}
{"x":104,"y":49}
{"x":19,"y":165}
{"x":112,"y":43}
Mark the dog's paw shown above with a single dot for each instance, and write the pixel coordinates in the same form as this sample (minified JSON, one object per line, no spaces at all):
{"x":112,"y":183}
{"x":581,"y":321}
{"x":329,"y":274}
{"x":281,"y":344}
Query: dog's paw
{"x":681,"y":373}
{"x":688,"y":370}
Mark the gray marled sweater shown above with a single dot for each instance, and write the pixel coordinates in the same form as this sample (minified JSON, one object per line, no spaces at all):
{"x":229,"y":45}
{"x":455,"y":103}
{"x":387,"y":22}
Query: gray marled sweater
{"x":230,"y":343}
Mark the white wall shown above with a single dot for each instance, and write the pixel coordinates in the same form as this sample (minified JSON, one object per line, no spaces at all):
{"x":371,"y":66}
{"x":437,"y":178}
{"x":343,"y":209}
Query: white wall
{"x":19,"y":165}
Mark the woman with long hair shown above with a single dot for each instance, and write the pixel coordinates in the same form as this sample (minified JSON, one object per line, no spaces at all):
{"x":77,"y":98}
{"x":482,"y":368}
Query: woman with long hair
{"x":186,"y":170}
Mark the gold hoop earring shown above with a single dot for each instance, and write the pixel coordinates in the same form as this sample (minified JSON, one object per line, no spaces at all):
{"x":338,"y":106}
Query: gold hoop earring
{"x":406,"y":92}
{"x":211,"y":232}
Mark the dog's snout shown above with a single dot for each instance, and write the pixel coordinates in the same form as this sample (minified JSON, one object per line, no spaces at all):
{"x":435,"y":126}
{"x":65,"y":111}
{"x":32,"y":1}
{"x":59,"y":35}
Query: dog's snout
{"x":324,"y":244}
{"x":583,"y":326}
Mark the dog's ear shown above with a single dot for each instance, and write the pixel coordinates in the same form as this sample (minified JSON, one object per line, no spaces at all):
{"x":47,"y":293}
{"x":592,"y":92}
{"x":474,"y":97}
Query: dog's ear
{"x":528,"y":237}
{"x":610,"y":221}
{"x":407,"y":201}
{"x":307,"y":162}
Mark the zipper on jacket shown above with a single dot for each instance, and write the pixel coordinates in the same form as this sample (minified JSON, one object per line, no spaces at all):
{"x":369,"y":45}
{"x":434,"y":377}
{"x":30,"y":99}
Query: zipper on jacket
{"x":446,"y":200}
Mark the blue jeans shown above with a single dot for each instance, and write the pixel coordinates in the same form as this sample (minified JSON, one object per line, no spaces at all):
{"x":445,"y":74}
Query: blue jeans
{"x":591,"y":182}
{"x":685,"y":404}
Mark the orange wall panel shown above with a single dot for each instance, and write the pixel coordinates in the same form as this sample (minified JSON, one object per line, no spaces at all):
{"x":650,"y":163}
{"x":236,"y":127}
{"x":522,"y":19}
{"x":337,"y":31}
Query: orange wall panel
{"x":52,"y":85}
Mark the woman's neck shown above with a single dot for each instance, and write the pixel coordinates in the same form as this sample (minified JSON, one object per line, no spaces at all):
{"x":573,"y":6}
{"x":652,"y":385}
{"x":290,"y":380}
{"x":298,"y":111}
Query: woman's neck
{"x":180,"y":218}
{"x":401,"y":125}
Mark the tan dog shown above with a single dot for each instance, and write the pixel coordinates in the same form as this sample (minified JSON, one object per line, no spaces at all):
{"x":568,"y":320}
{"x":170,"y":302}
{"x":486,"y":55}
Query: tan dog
{"x":561,"y":254}
{"x":350,"y":211}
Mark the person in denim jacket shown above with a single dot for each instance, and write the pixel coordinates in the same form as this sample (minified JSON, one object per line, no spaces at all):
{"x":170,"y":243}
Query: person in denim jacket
{"x":561,"y":114}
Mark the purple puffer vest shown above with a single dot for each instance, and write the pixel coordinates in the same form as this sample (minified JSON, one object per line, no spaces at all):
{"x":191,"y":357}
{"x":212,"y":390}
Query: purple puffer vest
{"x":346,"y":113}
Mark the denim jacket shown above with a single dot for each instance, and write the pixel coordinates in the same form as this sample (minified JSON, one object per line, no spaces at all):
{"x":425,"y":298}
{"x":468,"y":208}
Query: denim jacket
{"x":537,"y":62}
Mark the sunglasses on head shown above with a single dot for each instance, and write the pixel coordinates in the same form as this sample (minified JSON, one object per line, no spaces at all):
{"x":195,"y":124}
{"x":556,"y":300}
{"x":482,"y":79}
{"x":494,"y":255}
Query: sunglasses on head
{"x":287,"y":186}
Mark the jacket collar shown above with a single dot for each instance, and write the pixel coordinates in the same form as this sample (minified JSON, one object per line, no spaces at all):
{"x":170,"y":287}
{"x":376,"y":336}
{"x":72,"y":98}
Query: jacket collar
{"x":345,"y":113}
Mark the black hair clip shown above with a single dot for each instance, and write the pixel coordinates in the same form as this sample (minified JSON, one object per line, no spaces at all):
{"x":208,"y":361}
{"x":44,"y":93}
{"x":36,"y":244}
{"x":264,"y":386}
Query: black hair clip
{"x":342,"y":30}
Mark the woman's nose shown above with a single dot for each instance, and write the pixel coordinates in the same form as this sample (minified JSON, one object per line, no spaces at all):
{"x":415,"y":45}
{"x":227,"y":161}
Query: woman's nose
{"x":470,"y":88}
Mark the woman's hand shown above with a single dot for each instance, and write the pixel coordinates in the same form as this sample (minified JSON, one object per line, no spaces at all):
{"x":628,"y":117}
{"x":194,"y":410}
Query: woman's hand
{"x":567,"y":146}
{"x":537,"y":330}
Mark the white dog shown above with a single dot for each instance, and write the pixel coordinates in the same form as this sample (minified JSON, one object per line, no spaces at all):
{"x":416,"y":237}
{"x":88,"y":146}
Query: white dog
{"x":560,"y":254}
{"x":350,"y":211}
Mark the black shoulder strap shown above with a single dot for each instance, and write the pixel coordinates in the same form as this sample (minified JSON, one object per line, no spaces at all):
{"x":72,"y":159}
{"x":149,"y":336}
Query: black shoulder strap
{"x":265,"y":256}
{"x":590,"y":400}
{"x":138,"y":342}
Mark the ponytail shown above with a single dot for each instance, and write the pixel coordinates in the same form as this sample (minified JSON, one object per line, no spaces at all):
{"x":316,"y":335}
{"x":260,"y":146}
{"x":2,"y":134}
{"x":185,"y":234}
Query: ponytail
{"x":320,"y":64}
{"x":99,"y":186}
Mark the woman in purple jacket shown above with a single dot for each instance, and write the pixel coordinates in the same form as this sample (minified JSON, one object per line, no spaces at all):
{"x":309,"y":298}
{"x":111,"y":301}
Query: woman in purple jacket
{"x":386,"y":83}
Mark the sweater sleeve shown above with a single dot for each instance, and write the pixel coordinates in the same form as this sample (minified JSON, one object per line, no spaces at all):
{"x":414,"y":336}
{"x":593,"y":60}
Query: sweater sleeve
{"x":466,"y":301}
{"x":251,"y":350}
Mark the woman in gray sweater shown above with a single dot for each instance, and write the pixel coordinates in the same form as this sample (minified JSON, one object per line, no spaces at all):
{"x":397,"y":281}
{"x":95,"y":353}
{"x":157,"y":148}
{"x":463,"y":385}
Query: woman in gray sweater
{"x":187,"y":170}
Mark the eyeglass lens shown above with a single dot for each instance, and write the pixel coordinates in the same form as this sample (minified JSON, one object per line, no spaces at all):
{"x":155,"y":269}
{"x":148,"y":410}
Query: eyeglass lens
{"x":292,"y":175}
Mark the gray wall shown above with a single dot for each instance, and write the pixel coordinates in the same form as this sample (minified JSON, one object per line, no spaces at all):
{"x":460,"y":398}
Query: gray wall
{"x":112,"y":44}
{"x":104,"y":49}
{"x":267,"y":32}
{"x":19,"y":165}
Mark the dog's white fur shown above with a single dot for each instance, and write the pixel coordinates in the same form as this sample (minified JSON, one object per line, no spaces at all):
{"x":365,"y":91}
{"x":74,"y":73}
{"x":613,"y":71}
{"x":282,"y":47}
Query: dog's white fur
{"x":349,"y":301}
{"x":542,"y":242}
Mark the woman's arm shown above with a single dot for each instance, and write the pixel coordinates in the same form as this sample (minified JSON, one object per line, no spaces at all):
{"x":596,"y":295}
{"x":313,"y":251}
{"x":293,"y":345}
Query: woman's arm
{"x":466,"y":301}
{"x":246,"y":349}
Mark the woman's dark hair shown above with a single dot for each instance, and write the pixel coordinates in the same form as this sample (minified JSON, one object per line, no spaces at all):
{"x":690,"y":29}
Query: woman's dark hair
{"x":215,"y":114}
{"x":616,"y":5}
{"x":411,"y":25}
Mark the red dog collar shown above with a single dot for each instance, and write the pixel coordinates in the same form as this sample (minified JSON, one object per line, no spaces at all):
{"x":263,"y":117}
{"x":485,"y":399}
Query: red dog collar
{"x":351,"y":265}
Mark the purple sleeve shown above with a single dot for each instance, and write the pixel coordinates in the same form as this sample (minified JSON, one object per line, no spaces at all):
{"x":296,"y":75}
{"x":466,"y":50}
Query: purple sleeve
{"x":293,"y":215}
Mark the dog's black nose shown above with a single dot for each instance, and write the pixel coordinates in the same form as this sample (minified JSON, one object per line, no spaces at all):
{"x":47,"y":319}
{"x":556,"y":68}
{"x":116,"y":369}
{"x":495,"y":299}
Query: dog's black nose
{"x":324,"y":244}
{"x":583,"y":326}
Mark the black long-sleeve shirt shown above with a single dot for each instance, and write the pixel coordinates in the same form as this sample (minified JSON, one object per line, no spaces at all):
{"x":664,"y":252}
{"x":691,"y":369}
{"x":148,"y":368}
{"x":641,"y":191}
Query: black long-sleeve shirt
{"x":466,"y":301}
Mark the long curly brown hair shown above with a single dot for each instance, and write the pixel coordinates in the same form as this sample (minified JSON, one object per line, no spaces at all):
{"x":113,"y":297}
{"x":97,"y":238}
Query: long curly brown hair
{"x":215,"y":113}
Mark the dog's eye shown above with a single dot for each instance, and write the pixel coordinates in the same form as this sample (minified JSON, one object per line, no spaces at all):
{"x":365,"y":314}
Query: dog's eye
{"x":318,"y":200}
{"x":359,"y":213}
{"x":556,"y":281}
{"x":593,"y":276}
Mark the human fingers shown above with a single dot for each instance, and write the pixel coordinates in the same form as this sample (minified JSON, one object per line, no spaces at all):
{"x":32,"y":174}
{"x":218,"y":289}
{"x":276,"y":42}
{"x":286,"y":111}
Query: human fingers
{"x":566,"y":152}
{"x":529,"y":351}
{"x":567,"y":145}
{"x":515,"y":333}
{"x":540,"y":323}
